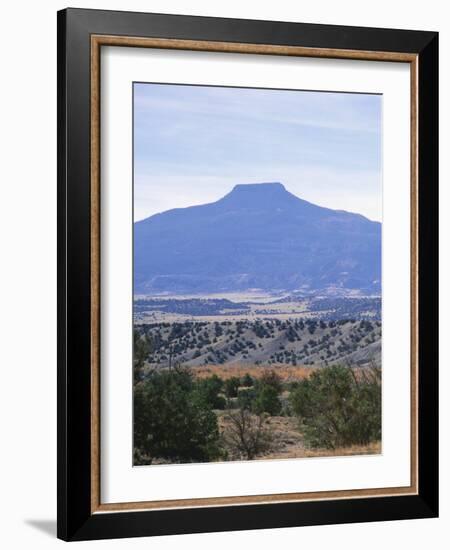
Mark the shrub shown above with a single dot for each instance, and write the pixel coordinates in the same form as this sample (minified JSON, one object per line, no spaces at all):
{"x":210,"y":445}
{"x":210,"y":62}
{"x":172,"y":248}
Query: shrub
{"x":232,"y":386}
{"x":171,"y":421}
{"x":267,"y":400}
{"x":271,"y":378}
{"x":208,"y":389}
{"x":338,"y":407}
{"x":246,"y":398}
{"x":141,"y":349}
{"x":247,"y":381}
{"x":246,"y":435}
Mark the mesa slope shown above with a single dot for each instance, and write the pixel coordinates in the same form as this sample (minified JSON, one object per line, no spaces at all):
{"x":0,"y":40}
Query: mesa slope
{"x":257,"y":236}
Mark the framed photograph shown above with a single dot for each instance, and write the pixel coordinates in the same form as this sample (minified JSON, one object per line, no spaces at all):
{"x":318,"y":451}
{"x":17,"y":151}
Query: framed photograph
{"x":247,"y":274}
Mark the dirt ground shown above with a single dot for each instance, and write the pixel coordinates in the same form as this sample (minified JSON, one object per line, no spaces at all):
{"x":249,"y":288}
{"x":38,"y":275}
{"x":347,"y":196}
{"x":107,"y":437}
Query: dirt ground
{"x":288,"y":442}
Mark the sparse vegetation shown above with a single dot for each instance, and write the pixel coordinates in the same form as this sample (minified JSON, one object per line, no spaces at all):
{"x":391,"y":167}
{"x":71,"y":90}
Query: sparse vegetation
{"x":246,"y":435}
{"x":338,"y":407}
{"x":288,"y":342}
{"x":227,"y":389}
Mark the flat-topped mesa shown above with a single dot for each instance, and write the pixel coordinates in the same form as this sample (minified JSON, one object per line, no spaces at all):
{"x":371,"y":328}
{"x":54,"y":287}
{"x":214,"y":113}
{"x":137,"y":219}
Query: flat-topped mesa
{"x":264,"y":187}
{"x":270,"y":194}
{"x":257,"y":236}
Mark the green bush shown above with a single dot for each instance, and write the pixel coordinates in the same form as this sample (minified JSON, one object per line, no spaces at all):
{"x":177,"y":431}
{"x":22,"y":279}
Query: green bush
{"x":246,"y":398}
{"x":271,"y":378}
{"x":338,"y":407}
{"x":231,"y":386}
{"x":172,"y":421}
{"x":247,"y":381}
{"x":267,"y":400}
{"x":208,"y":389}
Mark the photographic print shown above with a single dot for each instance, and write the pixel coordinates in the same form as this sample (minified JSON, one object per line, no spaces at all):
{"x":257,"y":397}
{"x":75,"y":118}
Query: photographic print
{"x":257,"y":274}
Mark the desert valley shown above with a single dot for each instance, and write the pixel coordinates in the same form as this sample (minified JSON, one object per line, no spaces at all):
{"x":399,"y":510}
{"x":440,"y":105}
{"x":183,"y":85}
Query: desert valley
{"x":263,"y":312}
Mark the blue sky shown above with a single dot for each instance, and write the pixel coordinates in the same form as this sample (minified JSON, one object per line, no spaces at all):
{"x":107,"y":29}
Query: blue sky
{"x":192,"y":144}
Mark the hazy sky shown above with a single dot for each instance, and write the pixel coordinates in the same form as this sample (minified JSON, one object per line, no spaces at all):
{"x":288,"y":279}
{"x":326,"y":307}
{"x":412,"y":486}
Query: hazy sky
{"x":192,"y":144}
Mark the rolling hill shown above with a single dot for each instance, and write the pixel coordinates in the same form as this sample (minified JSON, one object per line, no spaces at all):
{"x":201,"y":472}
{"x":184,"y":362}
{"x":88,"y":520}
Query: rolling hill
{"x":265,"y":342}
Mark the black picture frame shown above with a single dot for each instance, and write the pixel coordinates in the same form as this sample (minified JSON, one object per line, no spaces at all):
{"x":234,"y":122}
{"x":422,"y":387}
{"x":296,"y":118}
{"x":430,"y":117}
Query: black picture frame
{"x":75,"y":518}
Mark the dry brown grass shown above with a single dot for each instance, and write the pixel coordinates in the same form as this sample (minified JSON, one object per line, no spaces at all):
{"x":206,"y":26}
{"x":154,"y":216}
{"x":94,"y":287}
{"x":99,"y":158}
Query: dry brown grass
{"x":369,"y":449}
{"x":288,"y":442}
{"x":287,"y":373}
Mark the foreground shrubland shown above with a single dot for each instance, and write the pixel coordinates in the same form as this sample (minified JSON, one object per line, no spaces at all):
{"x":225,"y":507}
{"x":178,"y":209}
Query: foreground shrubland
{"x":180,"y":418}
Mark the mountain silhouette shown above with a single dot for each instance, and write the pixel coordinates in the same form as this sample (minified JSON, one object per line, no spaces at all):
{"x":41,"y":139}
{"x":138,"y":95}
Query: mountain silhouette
{"x":257,"y":236}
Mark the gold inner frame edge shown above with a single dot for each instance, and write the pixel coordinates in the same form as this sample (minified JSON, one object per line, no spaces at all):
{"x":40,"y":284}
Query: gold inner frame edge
{"x":97,"y":41}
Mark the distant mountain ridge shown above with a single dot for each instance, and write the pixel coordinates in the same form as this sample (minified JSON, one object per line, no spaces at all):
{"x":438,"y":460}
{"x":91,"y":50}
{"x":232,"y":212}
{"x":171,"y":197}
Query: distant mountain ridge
{"x":257,"y":236}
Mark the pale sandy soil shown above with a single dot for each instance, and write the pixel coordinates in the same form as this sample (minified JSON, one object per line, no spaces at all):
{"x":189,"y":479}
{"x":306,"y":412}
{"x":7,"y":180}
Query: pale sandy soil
{"x":288,"y":310}
{"x":257,"y":296}
{"x":288,"y":442}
